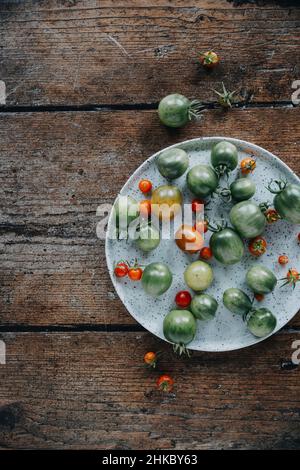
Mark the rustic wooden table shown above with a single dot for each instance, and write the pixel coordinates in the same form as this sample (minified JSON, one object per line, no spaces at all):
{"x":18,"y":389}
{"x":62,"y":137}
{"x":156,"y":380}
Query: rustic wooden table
{"x":83,"y":79}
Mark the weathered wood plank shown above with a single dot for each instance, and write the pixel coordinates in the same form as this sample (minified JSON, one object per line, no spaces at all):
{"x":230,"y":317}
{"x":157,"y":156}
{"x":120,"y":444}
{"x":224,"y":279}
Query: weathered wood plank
{"x":61,"y":52}
{"x":55,"y":169}
{"x":68,"y":391}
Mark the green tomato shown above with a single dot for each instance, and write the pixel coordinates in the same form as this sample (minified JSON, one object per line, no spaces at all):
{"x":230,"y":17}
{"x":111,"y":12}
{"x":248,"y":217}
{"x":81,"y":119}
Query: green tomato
{"x":247,"y":218}
{"x":172,"y":163}
{"x":261,"y":279}
{"x":204,"y":306}
{"x":198,"y":275}
{"x":287,"y":203}
{"x":202,"y":180}
{"x":261,"y":322}
{"x":227,"y":246}
{"x":237,"y":301}
{"x":179,"y":328}
{"x":149,"y":238}
{"x":173,"y":110}
{"x":126,"y":211}
{"x":224,"y":157}
{"x":156,"y":279}
{"x":242,"y":189}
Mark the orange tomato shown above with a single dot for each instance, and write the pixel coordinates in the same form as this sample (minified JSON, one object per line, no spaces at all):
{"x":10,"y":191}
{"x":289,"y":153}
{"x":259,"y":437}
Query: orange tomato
{"x":150,"y":359}
{"x":165,"y":383}
{"x":259,"y":297}
{"x":135,"y":273}
{"x":188,"y":239}
{"x":248,"y":165}
{"x":283,"y":259}
{"x":201,"y":226}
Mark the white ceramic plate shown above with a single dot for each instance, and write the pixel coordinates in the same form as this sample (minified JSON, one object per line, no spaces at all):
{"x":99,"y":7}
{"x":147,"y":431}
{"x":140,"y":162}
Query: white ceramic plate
{"x":226,"y":331}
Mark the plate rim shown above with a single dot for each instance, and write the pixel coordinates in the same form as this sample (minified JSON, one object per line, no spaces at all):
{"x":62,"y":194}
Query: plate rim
{"x":124,"y":188}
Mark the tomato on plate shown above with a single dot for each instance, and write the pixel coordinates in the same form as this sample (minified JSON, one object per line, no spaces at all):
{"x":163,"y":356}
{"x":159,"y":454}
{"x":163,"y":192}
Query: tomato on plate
{"x":227,"y":246}
{"x":145,"y":208}
{"x":183,"y":298}
{"x":172,"y":163}
{"x":261,"y":279}
{"x":145,"y":186}
{"x":121,"y":269}
{"x":206,"y":253}
{"x":157,"y":278}
{"x":204,"y":306}
{"x":224,"y":157}
{"x":261,"y":322}
{"x":201,"y":226}
{"x":248,"y":165}
{"x":135,"y":273}
{"x":283,"y":259}
{"x":197,"y":205}
{"x":188,"y":239}
{"x":291,"y":278}
{"x":236,"y":301}
{"x":179,"y":328}
{"x":257,"y":246}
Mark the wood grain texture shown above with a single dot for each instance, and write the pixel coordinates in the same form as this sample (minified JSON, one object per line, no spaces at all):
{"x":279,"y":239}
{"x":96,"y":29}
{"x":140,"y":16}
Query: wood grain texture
{"x":55,"y":168}
{"x":62,"y":52}
{"x":68,"y":391}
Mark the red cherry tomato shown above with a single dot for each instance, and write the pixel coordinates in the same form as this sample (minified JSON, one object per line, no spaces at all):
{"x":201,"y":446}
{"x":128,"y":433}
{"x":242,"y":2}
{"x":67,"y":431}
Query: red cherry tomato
{"x":283,"y":259}
{"x":206,"y":253}
{"x":259,"y":297}
{"x":121,"y":269}
{"x":258,"y":246}
{"x":197,"y":205}
{"x":145,"y":208}
{"x":183,"y":298}
{"x":201,"y":226}
{"x":145,"y":186}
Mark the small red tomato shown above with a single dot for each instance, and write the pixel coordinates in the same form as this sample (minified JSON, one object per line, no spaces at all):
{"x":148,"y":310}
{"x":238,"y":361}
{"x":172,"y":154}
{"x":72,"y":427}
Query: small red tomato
{"x":283,"y":259}
{"x":209,"y":59}
{"x":121,"y":269}
{"x":206,"y":253}
{"x":259,"y":297}
{"x":197,"y":205}
{"x":272,"y":216}
{"x":258,"y":246}
{"x":248,"y":165}
{"x":183,"y":298}
{"x":135,"y":273}
{"x":165,"y":383}
{"x":201,"y":226}
{"x":298,"y":237}
{"x":145,"y":208}
{"x":150,"y":359}
{"x":145,"y":186}
{"x":291,"y":278}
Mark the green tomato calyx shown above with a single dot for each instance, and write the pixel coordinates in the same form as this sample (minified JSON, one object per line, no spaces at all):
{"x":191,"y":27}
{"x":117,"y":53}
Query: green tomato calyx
{"x":195,"y":109}
{"x":181,"y":349}
{"x":226,"y":98}
{"x":281,"y":185}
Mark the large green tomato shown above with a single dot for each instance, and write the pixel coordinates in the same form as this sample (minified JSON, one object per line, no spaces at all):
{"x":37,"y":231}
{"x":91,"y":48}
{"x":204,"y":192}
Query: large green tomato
{"x":287,"y":203}
{"x":242,"y":189}
{"x":173,"y":110}
{"x":227,"y":246}
{"x":179,"y":328}
{"x":237,"y":301}
{"x":202,"y":180}
{"x":224,"y":157}
{"x":261,"y":279}
{"x":156,"y":279}
{"x":247,"y":218}
{"x":149,"y":238}
{"x":172,"y":163}
{"x":198,"y":275}
{"x":261,"y":322}
{"x":204,"y":306}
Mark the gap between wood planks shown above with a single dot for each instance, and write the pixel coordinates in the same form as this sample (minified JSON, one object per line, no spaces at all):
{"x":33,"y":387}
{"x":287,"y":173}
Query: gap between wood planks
{"x":52,"y":108}
{"x":104,"y":328}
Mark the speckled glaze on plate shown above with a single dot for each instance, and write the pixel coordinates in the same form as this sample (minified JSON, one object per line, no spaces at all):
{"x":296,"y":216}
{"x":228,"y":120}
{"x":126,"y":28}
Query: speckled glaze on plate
{"x":226,"y":331}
